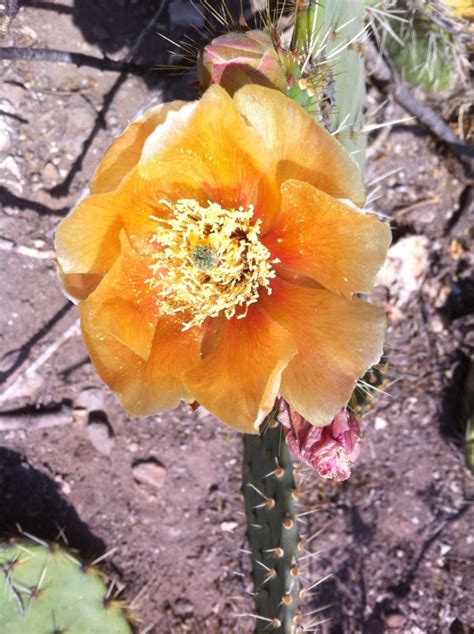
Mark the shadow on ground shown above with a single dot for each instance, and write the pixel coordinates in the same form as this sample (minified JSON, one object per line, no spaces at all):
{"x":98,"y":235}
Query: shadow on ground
{"x":32,"y":502}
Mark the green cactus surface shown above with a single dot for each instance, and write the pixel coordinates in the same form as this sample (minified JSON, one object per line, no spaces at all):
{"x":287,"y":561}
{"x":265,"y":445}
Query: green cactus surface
{"x":365,"y":394}
{"x":44,"y":589}
{"x":329,"y":80}
{"x":422,"y":41}
{"x":270,"y":492}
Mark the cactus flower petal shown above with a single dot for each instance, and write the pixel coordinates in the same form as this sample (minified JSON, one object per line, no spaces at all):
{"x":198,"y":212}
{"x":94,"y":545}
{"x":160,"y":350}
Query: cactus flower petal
{"x":343,"y":249}
{"x":254,"y":351}
{"x":125,"y":152}
{"x":330,"y":450}
{"x":337,"y":340}
{"x":143,"y":386}
{"x":210,"y":259}
{"x":301,"y":149}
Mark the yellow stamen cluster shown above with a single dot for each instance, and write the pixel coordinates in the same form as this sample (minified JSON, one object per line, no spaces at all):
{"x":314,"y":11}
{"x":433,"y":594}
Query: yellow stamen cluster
{"x":208,"y":260}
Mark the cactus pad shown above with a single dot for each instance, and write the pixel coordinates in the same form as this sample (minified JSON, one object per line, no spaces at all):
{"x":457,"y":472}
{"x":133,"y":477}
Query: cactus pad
{"x":44,"y":589}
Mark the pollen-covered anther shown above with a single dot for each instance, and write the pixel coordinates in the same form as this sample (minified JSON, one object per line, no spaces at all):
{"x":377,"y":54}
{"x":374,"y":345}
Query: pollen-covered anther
{"x":207,"y":261}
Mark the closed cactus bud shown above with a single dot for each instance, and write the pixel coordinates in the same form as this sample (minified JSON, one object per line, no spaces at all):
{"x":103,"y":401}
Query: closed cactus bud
{"x":330,"y":450}
{"x":235,"y":59}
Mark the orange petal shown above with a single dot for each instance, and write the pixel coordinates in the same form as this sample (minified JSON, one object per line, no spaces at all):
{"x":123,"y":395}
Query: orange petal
{"x":143,"y":387}
{"x":78,"y":286}
{"x":301,"y":148}
{"x":123,"y":304}
{"x":87,"y":241}
{"x":336,"y":245}
{"x":125,"y":151}
{"x":207,"y":152}
{"x":239,"y":378}
{"x":338,"y":340}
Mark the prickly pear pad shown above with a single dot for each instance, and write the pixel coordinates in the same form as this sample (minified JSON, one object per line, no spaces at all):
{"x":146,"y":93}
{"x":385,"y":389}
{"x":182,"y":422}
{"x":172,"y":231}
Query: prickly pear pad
{"x":45,"y":589}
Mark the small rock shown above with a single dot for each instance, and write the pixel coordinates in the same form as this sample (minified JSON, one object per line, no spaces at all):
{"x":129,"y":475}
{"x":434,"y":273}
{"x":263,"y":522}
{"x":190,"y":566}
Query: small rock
{"x":405,"y":268}
{"x":150,"y":472}
{"x":5,"y":141}
{"x":101,"y":435}
{"x":10,"y":165}
{"x":395,"y":621}
{"x":91,"y":399}
{"x":183,"y":608}
{"x":50,"y":174}
{"x":380,"y":423}
{"x":228,"y":527}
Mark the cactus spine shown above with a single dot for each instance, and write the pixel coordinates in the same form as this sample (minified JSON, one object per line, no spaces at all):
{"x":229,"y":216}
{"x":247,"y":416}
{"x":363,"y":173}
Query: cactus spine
{"x":44,"y":589}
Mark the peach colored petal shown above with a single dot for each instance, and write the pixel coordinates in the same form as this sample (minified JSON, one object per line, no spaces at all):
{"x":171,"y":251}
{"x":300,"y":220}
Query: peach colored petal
{"x":123,"y":304}
{"x":143,"y":387}
{"x":207,"y":152}
{"x":87,"y":241}
{"x":239,"y":378}
{"x":301,"y":149}
{"x":77,"y":286}
{"x":125,"y":151}
{"x":337,"y":339}
{"x":336,"y":245}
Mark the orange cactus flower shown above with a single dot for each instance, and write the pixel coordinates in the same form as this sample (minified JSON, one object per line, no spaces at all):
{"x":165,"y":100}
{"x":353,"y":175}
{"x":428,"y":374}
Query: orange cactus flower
{"x":216,"y":258}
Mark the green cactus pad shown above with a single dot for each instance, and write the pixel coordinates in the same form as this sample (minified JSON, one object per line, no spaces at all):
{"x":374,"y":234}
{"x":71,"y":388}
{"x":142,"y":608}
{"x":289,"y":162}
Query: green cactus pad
{"x":44,"y":589}
{"x":422,"y":41}
{"x":327,"y":43}
{"x":269,"y":490}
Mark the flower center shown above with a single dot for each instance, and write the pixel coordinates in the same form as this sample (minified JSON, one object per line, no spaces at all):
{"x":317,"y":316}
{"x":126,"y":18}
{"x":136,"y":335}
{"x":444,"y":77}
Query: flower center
{"x":208,"y":261}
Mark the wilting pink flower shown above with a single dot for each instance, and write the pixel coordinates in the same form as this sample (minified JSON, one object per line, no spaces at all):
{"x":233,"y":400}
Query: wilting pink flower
{"x":330,"y":450}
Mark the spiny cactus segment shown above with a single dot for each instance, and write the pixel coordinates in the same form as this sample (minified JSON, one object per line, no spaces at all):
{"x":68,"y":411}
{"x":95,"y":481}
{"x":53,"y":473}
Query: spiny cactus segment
{"x":44,"y":589}
{"x":270,"y":492}
{"x":425,"y":41}
{"x":329,"y":79}
{"x":369,"y":388}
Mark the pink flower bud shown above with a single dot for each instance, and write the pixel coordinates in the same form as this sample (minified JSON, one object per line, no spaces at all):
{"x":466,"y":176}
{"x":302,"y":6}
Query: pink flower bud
{"x":235,"y":59}
{"x":330,"y":450}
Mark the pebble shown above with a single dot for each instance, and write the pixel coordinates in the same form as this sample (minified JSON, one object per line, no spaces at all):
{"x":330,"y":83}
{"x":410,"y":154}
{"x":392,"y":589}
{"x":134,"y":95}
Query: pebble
{"x":183,"y":607}
{"x":228,"y":527}
{"x":5,"y":141}
{"x":150,"y":472}
{"x":101,"y":436}
{"x":380,"y":423}
{"x":91,"y":399}
{"x":10,"y":165}
{"x":50,"y":174}
{"x":395,"y":621}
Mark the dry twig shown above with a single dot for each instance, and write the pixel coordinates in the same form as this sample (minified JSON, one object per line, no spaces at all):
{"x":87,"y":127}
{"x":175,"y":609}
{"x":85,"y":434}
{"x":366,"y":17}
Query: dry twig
{"x":385,"y":80}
